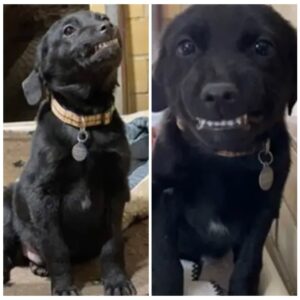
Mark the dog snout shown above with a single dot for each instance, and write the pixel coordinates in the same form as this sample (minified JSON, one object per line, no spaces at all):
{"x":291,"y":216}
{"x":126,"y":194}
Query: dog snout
{"x":105,"y":27}
{"x":220,"y":93}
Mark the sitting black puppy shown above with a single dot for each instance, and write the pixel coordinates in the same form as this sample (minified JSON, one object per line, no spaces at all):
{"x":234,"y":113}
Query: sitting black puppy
{"x":68,"y":203}
{"x":226,"y":75}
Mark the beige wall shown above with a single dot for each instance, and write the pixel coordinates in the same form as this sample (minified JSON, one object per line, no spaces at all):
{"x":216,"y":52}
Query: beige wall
{"x":136,"y":51}
{"x":289,"y":12}
{"x":136,"y":18}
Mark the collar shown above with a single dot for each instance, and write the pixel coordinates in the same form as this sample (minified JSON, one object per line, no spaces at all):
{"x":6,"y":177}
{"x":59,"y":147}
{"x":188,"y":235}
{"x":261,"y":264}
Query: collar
{"x":81,"y":121}
{"x":226,"y":153}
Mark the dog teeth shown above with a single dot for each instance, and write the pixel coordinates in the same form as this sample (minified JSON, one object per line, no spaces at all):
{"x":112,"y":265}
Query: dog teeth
{"x":200,"y":123}
{"x":239,"y":121}
{"x":105,"y":44}
{"x":245,"y":119}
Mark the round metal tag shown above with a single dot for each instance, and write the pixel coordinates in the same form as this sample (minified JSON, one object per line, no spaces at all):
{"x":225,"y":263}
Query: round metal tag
{"x":266,"y":178}
{"x":79,"y":152}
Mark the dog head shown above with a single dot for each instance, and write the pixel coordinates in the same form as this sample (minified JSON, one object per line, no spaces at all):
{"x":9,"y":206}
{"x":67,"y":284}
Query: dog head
{"x":78,"y":56}
{"x":227,"y":73}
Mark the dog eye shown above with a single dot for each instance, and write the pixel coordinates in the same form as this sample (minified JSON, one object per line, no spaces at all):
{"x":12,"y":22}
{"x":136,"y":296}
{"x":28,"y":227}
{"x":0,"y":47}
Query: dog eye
{"x":186,"y":47}
{"x":68,"y":30}
{"x":263,"y":47}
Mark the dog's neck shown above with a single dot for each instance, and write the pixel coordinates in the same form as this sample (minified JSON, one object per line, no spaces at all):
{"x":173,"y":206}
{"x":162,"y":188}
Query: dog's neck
{"x":97,"y":102}
{"x":92,"y":96}
{"x":80,"y":121}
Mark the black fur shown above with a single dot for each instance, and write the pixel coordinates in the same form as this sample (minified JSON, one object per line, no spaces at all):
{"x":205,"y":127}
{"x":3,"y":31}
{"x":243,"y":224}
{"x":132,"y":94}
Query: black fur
{"x":192,"y":185}
{"x":47,"y":213}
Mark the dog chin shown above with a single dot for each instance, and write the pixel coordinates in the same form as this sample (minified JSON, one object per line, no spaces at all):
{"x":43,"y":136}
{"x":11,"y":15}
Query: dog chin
{"x":227,"y":144}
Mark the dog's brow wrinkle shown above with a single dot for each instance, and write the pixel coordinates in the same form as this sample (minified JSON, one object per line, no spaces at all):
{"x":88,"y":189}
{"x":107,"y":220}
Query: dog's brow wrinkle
{"x":72,"y":20}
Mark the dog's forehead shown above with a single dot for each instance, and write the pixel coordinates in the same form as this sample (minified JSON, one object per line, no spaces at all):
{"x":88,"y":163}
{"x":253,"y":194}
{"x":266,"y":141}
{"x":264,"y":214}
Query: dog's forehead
{"x":223,"y":21}
{"x":80,"y":18}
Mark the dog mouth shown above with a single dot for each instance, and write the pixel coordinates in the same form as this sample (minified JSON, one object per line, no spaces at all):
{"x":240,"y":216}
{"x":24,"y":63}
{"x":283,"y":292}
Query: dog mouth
{"x":241,"y":122}
{"x":98,"y":48}
{"x":230,"y":137}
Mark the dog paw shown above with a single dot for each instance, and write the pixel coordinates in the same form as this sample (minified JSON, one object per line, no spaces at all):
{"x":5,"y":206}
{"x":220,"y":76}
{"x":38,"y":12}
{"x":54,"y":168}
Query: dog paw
{"x":118,"y":285}
{"x":38,"y":270}
{"x":68,"y":291}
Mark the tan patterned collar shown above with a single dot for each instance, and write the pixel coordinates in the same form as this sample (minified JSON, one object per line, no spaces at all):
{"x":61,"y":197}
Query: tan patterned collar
{"x":79,"y":121}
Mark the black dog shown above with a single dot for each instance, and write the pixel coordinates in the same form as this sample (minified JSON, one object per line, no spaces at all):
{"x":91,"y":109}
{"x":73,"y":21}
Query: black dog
{"x":68,"y":206}
{"x":227,"y":74}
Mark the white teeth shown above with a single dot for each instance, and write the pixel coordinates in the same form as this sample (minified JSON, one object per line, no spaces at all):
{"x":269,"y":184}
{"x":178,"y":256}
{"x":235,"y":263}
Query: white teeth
{"x":238,"y":121}
{"x":201,"y":123}
{"x":105,"y":44}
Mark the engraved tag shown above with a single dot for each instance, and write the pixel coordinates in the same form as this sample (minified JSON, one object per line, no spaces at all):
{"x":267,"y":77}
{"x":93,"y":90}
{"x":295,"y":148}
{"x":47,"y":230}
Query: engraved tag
{"x":266,"y":178}
{"x":79,"y":152}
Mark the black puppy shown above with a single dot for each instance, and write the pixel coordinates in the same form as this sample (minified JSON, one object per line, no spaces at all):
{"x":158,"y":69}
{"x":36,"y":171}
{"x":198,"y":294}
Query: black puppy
{"x":227,"y":74}
{"x":68,"y":204}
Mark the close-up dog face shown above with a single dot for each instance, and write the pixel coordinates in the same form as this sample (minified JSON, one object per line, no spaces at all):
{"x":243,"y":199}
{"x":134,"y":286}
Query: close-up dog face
{"x":79,"y":51}
{"x":228,"y":73}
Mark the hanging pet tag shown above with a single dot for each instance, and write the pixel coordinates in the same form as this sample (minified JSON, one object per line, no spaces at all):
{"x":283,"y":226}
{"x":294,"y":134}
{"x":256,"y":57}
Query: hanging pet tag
{"x":266,"y":175}
{"x":79,"y":150}
{"x":266,"y":178}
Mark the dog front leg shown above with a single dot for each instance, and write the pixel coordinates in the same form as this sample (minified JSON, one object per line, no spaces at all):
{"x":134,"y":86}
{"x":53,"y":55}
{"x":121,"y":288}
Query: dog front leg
{"x":248,"y":260}
{"x":112,"y":262}
{"x":51,"y":245}
{"x":167,"y":271}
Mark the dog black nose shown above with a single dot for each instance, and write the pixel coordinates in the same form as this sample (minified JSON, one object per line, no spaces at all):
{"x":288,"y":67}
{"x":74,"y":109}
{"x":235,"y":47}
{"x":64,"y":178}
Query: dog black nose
{"x":105,"y":27}
{"x":219,"y":92}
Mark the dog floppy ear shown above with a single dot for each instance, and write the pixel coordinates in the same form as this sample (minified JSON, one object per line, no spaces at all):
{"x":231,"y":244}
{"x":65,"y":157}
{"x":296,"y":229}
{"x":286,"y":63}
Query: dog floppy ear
{"x":292,"y":101}
{"x":293,"y":66}
{"x":159,"y":98}
{"x":33,"y":88}
{"x":33,"y":85}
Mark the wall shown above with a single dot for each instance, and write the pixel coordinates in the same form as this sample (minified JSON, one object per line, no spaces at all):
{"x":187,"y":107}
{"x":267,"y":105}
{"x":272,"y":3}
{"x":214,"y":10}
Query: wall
{"x":135,"y":19}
